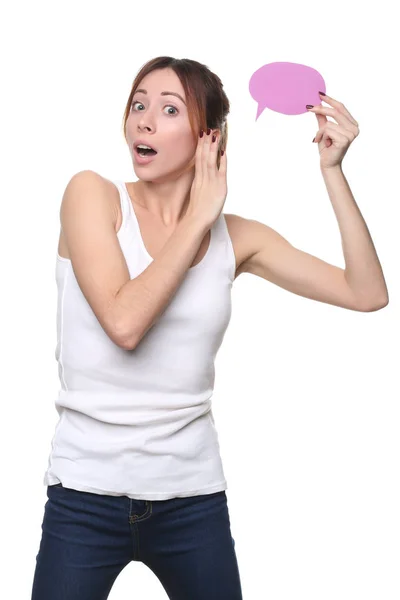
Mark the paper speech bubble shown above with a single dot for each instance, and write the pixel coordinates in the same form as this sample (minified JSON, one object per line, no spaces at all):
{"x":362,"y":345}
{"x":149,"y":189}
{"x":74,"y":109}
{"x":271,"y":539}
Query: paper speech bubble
{"x":286,"y":87}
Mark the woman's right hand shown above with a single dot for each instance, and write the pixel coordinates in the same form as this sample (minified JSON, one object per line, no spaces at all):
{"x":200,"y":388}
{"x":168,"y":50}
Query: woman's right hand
{"x":209,"y":187}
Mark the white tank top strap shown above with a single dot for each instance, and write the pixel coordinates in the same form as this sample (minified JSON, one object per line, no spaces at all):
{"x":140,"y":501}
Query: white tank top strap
{"x":223,"y":234}
{"x":123,"y":200}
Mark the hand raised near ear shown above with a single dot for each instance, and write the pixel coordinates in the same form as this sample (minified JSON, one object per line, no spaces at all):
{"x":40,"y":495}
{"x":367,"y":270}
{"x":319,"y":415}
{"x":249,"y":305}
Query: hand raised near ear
{"x":209,"y":187}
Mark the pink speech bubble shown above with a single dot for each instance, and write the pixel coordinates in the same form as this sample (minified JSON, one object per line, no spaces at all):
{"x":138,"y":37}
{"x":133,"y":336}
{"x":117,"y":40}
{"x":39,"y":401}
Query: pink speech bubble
{"x":286,"y":87}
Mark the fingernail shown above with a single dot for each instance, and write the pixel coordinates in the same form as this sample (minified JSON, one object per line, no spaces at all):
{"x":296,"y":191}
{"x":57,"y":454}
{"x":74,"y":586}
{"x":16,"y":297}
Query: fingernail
{"x":208,"y":131}
{"x":309,"y":106}
{"x":314,"y":140}
{"x":222,"y":152}
{"x":213,"y":138}
{"x":322,"y":93}
{"x":201,"y":133}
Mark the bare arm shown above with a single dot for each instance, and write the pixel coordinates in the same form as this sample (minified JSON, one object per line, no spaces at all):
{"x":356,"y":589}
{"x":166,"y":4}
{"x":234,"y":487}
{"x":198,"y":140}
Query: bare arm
{"x":125,"y":308}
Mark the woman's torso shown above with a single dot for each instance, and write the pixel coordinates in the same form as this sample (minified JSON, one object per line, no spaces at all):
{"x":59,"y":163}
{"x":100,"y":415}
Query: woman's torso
{"x":139,"y":423}
{"x":155,"y":236}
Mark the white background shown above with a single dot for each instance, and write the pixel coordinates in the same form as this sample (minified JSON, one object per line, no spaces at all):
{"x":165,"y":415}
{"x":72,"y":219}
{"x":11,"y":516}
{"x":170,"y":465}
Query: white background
{"x":306,"y":399}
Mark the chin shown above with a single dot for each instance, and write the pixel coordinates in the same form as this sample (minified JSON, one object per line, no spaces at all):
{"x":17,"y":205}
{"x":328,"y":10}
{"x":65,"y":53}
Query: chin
{"x":144,"y":173}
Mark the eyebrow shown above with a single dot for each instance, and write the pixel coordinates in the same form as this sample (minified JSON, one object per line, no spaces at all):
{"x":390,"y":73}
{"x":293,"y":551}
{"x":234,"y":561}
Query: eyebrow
{"x":164,"y":94}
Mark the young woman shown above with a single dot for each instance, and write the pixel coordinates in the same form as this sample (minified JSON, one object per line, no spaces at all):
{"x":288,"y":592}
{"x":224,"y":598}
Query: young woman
{"x":144,"y":273}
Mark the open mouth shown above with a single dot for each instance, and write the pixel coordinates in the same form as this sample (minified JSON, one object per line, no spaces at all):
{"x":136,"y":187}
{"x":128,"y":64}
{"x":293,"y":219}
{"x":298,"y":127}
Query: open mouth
{"x":145,"y":151}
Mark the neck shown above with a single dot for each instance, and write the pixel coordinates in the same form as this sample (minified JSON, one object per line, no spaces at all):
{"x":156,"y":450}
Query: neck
{"x":166,"y":201}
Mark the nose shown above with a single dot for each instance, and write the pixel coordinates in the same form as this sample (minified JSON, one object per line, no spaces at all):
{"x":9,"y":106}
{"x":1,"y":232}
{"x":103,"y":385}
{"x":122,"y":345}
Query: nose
{"x":144,"y":131}
{"x":143,"y":124}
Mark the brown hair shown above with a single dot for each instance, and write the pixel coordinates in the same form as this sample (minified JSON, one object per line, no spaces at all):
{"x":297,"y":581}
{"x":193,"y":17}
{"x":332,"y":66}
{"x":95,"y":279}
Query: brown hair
{"x":207,"y":103}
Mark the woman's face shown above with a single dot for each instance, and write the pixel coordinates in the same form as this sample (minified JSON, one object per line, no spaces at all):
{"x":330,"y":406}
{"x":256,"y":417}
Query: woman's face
{"x":162,"y":122}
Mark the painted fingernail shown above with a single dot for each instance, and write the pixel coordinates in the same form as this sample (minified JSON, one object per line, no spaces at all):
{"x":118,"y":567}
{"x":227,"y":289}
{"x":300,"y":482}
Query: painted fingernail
{"x":201,"y":133}
{"x":213,"y":138}
{"x":208,"y":131}
{"x":322,"y":93}
{"x":314,"y":140}
{"x":222,"y":152}
{"x":309,"y":106}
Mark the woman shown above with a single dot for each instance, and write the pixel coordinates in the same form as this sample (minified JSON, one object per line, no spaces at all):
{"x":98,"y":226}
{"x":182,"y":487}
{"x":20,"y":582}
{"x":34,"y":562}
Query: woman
{"x":144,"y":272}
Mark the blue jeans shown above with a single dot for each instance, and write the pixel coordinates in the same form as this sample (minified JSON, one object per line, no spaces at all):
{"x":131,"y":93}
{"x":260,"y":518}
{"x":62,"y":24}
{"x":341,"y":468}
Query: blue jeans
{"x":87,"y":539}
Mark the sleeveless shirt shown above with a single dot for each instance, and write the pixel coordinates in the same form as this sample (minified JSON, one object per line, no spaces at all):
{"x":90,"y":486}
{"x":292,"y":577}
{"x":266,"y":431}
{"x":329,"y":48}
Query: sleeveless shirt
{"x":139,"y":422}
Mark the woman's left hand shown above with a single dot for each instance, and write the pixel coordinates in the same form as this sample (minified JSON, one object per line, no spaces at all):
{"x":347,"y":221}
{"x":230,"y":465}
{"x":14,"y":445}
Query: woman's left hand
{"x":334,"y":139}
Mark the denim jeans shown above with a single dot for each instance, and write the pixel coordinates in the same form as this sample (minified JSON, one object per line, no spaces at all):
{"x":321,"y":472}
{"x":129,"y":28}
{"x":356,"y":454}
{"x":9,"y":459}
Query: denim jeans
{"x":87,"y":539}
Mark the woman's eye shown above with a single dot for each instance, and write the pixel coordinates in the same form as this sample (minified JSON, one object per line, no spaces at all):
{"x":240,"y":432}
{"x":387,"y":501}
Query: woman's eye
{"x":167,"y":106}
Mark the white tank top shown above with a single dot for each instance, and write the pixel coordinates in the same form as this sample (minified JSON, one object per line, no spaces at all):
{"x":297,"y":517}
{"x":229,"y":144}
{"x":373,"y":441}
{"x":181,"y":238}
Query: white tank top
{"x":139,"y":422}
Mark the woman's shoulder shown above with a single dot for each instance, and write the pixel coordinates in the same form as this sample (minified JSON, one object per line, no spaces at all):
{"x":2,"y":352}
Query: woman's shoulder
{"x":109,"y":187}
